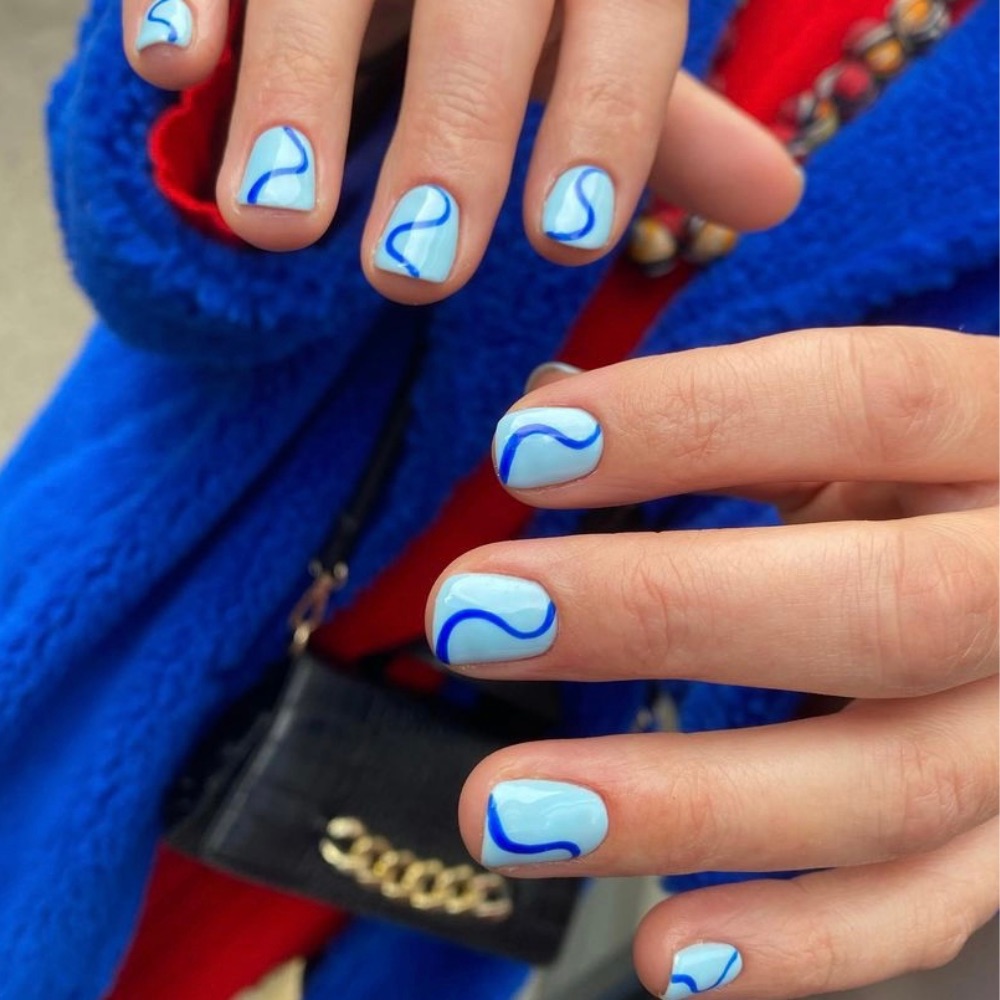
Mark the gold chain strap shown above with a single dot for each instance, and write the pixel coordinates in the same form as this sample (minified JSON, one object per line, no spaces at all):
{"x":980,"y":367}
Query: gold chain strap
{"x":424,"y":884}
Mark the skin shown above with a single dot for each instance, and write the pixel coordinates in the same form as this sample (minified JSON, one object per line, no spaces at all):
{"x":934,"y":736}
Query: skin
{"x":608,"y":70}
{"x":880,"y":446}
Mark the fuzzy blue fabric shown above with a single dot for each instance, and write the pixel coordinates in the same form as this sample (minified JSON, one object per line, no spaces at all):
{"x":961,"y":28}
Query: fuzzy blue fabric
{"x":156,"y":519}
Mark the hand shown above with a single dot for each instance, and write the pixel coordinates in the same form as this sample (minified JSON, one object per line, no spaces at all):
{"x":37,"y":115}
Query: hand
{"x":472,"y":66}
{"x":880,"y":446}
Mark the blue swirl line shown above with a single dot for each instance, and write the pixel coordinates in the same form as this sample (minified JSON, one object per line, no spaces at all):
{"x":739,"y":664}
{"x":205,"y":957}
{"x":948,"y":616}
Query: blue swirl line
{"x":683,"y":980}
{"x":269,"y":175}
{"x":529,"y":430}
{"x":412,"y":226}
{"x":468,"y":614}
{"x":581,"y":195}
{"x":504,"y":842}
{"x":173,"y":35}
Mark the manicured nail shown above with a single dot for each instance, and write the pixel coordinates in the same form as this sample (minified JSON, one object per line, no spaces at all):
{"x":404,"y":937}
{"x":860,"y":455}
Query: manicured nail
{"x":580,"y":210}
{"x":528,"y":821}
{"x":166,"y":22}
{"x":703,"y":967}
{"x":549,"y":368}
{"x":544,"y":445}
{"x":280,"y":172}
{"x":421,"y":236}
{"x":485,"y":617}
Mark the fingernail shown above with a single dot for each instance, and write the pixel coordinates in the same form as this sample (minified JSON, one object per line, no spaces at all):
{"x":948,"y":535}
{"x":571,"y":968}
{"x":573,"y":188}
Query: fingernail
{"x":544,"y":445}
{"x":529,"y":821}
{"x":485,"y":617}
{"x":549,"y":368}
{"x":702,"y":967}
{"x":281,"y":171}
{"x":166,"y":22}
{"x":421,"y":237}
{"x":580,"y":210}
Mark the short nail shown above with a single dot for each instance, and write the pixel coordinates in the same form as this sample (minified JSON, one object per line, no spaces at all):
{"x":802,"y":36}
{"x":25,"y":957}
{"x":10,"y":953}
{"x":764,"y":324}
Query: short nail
{"x":545,"y":445}
{"x":486,"y":617}
{"x":281,"y":171}
{"x":549,"y":368}
{"x":703,"y":967}
{"x":166,"y":22}
{"x":580,"y":209}
{"x":421,"y":237}
{"x":529,"y":821}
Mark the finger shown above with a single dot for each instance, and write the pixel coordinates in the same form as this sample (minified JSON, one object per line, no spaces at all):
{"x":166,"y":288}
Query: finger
{"x":886,"y":609}
{"x":448,"y":166}
{"x":822,"y":932}
{"x":877,"y":781}
{"x":718,"y":162}
{"x":174,"y":43}
{"x":280,"y":178}
{"x":879,"y":405}
{"x":596,"y":143}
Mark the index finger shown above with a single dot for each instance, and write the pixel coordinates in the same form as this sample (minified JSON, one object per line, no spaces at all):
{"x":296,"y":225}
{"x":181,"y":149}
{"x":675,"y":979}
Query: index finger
{"x":878,"y":404}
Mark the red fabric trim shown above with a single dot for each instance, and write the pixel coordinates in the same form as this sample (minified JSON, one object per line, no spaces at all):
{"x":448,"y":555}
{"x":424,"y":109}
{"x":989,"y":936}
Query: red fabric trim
{"x":794,"y":49}
{"x":795,"y":41}
{"x":187,"y":141}
{"x":205,"y":935}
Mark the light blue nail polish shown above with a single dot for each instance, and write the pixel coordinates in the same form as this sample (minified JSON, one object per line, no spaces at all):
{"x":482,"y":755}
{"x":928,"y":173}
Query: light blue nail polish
{"x":528,"y":821}
{"x":544,"y":445}
{"x":166,"y":22}
{"x":421,"y":236}
{"x":281,"y":171}
{"x":703,"y":967}
{"x":580,"y":210}
{"x":486,"y":617}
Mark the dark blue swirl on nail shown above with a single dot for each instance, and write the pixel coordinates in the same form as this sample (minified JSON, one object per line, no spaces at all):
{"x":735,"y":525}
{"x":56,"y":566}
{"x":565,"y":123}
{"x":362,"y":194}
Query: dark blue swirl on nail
{"x":173,"y":36}
{"x":412,"y":226}
{"x":500,"y":838}
{"x":506,"y":462}
{"x":470,"y":614}
{"x":680,"y":979}
{"x":581,"y":195}
{"x":269,"y":175}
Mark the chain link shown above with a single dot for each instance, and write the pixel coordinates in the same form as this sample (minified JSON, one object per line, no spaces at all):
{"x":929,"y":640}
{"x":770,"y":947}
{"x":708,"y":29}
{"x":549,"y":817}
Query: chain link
{"x":422,"y":883}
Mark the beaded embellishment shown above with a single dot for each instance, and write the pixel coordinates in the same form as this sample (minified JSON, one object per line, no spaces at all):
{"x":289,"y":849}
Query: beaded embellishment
{"x":875,"y":53}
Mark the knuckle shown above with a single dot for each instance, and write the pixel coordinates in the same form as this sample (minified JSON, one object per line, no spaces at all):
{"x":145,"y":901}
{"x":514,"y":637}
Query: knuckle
{"x":936,"y":610}
{"x":928,"y":790}
{"x":818,"y":955}
{"x":696,"y":801}
{"x":691,"y":412}
{"x":944,"y":947}
{"x":643,"y":603}
{"x":468,"y":107}
{"x":614,"y":99}
{"x":942,"y":929}
{"x":295,"y":68}
{"x":897,"y":393}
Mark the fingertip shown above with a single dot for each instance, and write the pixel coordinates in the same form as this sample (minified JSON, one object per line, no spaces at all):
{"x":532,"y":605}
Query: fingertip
{"x":717,"y":162}
{"x":172,"y":44}
{"x":275,"y":191}
{"x":781,"y":181}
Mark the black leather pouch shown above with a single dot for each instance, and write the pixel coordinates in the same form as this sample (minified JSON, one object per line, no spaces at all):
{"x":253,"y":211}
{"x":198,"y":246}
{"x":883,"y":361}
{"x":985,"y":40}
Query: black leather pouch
{"x":326,"y":784}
